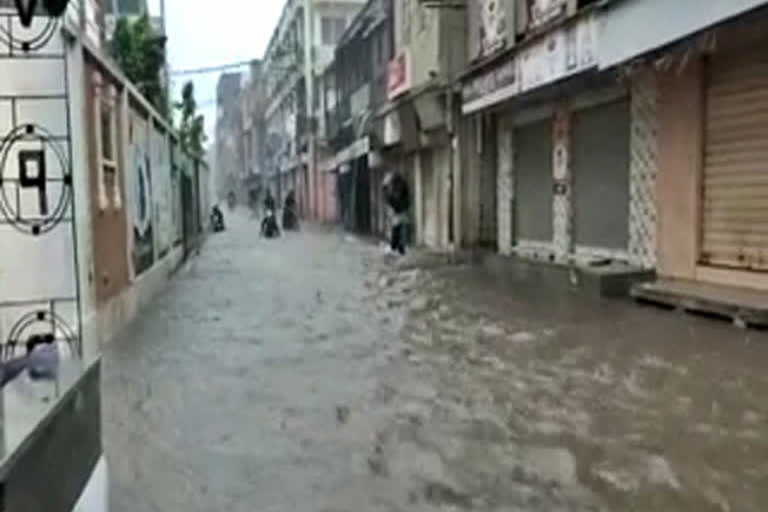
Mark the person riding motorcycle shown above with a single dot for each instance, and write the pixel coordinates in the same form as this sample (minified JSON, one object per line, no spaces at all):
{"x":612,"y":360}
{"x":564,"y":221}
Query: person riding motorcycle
{"x":269,"y":227}
{"x":217,"y":219}
{"x":269,"y":202}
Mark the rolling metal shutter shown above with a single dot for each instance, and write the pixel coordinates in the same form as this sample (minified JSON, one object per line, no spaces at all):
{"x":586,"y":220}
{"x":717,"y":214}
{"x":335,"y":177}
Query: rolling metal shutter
{"x":534,"y":181}
{"x":600,"y":169}
{"x":735,"y":181}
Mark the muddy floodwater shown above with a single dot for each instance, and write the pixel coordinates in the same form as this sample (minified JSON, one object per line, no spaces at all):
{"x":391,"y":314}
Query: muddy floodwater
{"x":313,"y":373}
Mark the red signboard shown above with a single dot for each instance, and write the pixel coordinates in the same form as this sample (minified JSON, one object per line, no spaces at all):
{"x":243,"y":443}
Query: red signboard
{"x":398,"y":75}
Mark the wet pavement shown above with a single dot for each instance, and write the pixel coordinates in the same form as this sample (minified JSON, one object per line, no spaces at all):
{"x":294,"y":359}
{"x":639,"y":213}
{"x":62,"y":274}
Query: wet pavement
{"x":312,"y":373}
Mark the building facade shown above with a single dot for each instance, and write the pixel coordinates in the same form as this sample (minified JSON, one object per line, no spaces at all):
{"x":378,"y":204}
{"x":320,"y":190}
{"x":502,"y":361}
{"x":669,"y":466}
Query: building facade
{"x":533,"y":102}
{"x":300,"y":49}
{"x":709,"y":78}
{"x":415,"y":131}
{"x":98,"y":206}
{"x":252,"y":104}
{"x":599,"y":144}
{"x":230,"y":165}
{"x":355,"y":89}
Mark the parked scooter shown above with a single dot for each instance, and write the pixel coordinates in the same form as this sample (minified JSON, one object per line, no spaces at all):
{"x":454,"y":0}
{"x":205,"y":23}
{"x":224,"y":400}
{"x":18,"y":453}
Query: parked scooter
{"x":269,"y":227}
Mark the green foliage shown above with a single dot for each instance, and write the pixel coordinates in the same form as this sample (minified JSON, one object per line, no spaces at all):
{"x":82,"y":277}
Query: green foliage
{"x":192,"y":130}
{"x":140,"y":53}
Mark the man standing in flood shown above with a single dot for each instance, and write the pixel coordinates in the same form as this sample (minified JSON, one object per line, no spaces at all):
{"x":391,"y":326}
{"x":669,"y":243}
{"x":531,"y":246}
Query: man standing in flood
{"x":398,"y":199}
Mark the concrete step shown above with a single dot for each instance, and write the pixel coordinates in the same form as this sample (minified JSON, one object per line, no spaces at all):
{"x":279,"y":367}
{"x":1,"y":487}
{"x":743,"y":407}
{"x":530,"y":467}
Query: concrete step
{"x":612,"y":279}
{"x":742,"y":306}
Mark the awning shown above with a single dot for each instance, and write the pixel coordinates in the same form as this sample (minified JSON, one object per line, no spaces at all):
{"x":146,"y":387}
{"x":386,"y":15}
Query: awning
{"x":569,"y":50}
{"x":631,"y":29}
{"x":359,"y":148}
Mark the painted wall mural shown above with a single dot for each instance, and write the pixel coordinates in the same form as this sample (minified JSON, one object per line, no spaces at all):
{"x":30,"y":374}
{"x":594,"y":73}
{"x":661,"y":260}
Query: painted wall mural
{"x":140,"y":179}
{"x":39,"y":293}
{"x":161,"y":191}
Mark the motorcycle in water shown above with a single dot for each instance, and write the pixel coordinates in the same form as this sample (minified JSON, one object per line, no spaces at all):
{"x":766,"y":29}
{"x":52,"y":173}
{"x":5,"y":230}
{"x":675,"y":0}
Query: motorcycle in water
{"x":217,"y":220}
{"x":269,"y":227}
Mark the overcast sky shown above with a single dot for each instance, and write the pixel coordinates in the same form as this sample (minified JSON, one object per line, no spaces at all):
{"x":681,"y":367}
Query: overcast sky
{"x":205,"y":33}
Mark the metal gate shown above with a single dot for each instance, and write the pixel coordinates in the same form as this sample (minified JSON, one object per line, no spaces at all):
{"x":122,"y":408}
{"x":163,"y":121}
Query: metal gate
{"x":735,"y":181}
{"x":39,"y":278}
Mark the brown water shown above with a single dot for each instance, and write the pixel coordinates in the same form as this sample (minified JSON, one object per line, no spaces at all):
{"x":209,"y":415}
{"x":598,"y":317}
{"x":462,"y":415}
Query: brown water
{"x":311,"y":373}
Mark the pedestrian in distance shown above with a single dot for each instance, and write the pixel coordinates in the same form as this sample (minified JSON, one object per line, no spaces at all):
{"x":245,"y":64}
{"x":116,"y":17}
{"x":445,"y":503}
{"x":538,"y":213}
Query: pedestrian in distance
{"x":269,"y":202}
{"x":398,"y":200}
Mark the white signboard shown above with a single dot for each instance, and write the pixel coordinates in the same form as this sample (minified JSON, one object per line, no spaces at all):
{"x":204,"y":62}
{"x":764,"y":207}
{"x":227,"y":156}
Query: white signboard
{"x":563,"y":53}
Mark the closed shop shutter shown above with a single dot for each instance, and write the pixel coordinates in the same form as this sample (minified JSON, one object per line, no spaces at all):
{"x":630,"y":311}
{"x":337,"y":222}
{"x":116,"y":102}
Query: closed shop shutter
{"x":600,"y":169}
{"x":735,"y":181}
{"x":533,"y":181}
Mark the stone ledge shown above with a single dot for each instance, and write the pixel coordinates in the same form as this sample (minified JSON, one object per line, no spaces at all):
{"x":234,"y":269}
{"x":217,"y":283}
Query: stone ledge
{"x":613,"y":279}
{"x":743,"y":306}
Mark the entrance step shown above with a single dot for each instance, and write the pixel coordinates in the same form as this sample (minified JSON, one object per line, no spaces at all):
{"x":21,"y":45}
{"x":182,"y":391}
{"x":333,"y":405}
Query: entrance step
{"x":743,"y":306}
{"x":608,"y":279}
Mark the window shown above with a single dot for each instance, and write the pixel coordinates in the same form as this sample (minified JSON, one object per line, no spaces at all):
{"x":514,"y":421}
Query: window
{"x":332,"y":29}
{"x":105,"y":107}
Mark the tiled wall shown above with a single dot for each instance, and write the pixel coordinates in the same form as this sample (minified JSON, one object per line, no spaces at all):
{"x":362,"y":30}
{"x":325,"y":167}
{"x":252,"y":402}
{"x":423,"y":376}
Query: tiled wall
{"x":562,"y":214}
{"x":643,"y":170}
{"x":506,"y":186}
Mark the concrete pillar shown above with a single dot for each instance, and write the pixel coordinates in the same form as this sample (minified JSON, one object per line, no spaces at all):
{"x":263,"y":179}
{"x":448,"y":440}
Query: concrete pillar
{"x":643,"y":169}
{"x":562,"y":206}
{"x":505,"y":187}
{"x":444,"y":190}
{"x":456,"y":185}
{"x":418,"y":200}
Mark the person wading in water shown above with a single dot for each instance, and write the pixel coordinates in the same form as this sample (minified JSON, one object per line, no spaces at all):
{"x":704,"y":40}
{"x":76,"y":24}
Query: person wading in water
{"x":399,"y":201}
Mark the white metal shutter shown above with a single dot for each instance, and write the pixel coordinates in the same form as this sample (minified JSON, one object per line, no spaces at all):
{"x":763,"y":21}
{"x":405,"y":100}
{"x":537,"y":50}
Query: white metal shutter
{"x":735,"y":181}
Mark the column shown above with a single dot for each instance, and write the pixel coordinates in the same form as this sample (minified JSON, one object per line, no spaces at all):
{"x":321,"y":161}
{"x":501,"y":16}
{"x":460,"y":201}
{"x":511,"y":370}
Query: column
{"x":505,"y":186}
{"x":562,"y":217}
{"x":643,"y":170}
{"x":418,"y":200}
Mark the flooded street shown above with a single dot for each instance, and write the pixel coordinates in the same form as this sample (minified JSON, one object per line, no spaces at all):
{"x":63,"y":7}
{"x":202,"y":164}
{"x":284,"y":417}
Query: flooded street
{"x":313,"y":373}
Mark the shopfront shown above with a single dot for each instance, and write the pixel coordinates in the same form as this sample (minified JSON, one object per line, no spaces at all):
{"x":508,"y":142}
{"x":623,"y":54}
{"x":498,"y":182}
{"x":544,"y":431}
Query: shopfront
{"x":563,"y":149}
{"x":735,"y":182}
{"x":713,"y":135}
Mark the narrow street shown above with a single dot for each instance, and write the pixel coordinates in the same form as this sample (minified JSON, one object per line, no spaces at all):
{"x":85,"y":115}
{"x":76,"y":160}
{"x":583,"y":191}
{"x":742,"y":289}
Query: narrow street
{"x":313,"y":373}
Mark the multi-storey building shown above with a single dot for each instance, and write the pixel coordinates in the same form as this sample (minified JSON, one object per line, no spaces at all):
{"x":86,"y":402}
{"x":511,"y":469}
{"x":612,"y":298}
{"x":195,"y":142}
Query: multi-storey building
{"x":252,"y":105}
{"x":354,"y":89}
{"x":416,"y":129}
{"x":300,"y":49}
{"x":230,"y":167}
